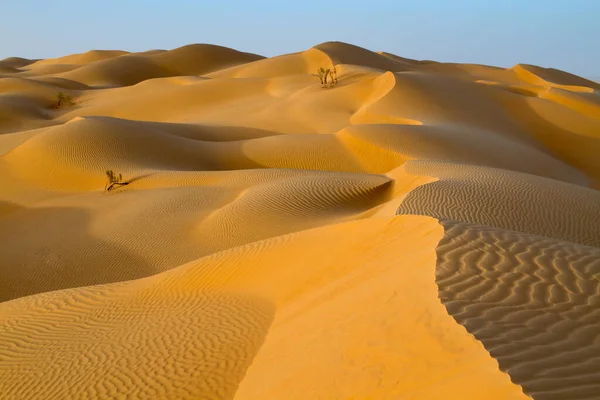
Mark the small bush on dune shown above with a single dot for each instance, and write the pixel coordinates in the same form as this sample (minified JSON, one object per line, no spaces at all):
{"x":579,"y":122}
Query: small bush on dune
{"x":62,"y":99}
{"x":114,"y":180}
{"x":322,"y":74}
{"x":327,"y":76}
{"x":333,"y":74}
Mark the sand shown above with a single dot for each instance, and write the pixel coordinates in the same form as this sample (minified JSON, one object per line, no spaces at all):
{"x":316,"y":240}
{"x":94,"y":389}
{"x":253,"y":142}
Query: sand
{"x":421,"y":230}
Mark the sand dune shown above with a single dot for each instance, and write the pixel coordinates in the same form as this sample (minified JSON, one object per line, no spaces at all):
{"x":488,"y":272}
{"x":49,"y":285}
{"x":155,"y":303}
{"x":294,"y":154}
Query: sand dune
{"x":15,"y":62}
{"x":485,"y":196}
{"x":532,"y":301}
{"x":171,"y":225}
{"x":419,"y":230}
{"x":231,"y":304}
{"x":84,"y":58}
{"x":553,"y":77}
{"x":106,"y":68}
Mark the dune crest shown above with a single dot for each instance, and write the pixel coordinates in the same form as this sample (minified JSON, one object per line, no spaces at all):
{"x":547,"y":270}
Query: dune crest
{"x":415,"y":230}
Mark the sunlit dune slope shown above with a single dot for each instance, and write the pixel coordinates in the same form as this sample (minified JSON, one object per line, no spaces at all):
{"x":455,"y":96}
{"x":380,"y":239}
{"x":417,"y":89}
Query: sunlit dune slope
{"x":172,"y":335}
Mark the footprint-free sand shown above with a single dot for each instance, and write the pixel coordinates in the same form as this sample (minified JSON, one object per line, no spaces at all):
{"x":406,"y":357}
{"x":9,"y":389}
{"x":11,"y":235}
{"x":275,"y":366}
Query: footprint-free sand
{"x":419,"y":230}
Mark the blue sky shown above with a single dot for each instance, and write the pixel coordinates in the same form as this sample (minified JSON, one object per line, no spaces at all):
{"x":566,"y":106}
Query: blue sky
{"x":562,"y":34}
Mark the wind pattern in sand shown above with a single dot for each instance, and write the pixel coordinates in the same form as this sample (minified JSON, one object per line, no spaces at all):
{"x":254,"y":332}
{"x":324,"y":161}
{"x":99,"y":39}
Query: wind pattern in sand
{"x":419,"y":230}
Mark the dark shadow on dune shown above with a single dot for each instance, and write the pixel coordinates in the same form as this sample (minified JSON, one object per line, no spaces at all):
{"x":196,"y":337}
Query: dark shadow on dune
{"x":7,"y":207}
{"x":577,"y":149}
{"x":47,"y":249}
{"x":531,"y":301}
{"x":520,"y":90}
{"x":19,"y":113}
{"x":16,"y":62}
{"x":200,"y":132}
{"x":139,"y":177}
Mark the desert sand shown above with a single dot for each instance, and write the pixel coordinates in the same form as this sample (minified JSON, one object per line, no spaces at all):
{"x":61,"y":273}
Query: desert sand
{"x":419,"y":230}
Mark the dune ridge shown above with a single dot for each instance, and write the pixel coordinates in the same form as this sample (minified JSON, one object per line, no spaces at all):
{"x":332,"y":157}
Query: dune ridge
{"x":419,"y":230}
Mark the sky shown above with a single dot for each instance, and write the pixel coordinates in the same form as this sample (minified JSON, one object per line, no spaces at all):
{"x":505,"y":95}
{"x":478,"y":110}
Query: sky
{"x":561,"y":34}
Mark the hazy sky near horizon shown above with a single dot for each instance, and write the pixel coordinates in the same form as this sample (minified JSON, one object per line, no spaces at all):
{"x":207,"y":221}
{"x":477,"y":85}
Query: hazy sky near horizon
{"x":560,"y":34}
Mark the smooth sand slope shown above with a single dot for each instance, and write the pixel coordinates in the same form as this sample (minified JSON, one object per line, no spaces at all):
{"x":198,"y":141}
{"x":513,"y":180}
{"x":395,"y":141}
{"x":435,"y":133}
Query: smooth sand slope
{"x":421,"y":230}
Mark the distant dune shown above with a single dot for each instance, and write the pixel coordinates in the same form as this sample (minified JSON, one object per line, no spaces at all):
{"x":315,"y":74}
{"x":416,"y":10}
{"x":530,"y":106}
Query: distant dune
{"x":412,"y":230}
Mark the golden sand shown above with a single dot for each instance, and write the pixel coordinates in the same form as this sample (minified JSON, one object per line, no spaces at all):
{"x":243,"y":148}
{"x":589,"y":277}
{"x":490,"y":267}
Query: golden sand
{"x":421,"y":230}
